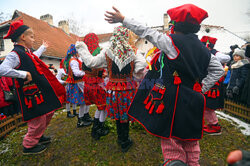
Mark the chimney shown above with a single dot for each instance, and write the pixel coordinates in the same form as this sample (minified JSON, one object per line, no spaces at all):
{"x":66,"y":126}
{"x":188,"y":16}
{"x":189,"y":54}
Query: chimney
{"x":165,"y":21}
{"x":64,"y":25}
{"x":47,"y":18}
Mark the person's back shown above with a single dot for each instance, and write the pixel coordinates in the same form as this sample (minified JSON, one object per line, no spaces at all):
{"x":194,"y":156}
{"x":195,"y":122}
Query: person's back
{"x":172,"y":106}
{"x":193,"y":58}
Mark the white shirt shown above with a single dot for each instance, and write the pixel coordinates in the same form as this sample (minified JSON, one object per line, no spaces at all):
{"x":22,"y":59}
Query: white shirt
{"x":60,"y":73}
{"x":99,"y":61}
{"x":7,"y":68}
{"x":164,"y":43}
{"x":74,"y":64}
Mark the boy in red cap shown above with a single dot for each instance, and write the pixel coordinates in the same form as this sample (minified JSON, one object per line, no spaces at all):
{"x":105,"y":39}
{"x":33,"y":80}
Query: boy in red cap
{"x":39,"y":92}
{"x":169,"y":102}
{"x":215,"y":95}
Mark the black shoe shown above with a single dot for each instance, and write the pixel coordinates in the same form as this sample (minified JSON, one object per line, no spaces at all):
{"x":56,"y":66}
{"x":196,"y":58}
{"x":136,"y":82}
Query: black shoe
{"x":45,"y":140}
{"x":173,"y":163}
{"x":74,"y":113}
{"x":88,"y":118}
{"x":69,"y":115}
{"x":35,"y":150}
{"x":103,"y":130}
{"x":119,"y":132}
{"x":126,"y":145}
{"x":94,"y":129}
{"x":82,"y":122}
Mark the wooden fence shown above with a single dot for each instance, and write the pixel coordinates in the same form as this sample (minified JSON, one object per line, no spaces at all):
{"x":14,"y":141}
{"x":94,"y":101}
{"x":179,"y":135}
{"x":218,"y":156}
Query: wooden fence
{"x":10,"y":123}
{"x":237,"y":109}
{"x":13,"y":122}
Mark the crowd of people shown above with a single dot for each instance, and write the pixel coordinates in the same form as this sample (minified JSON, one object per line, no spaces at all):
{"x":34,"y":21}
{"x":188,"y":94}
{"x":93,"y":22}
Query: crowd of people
{"x":184,"y":83}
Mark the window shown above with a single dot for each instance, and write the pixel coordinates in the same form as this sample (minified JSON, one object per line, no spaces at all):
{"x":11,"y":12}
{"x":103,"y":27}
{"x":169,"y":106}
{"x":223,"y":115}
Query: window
{"x":146,"y":42}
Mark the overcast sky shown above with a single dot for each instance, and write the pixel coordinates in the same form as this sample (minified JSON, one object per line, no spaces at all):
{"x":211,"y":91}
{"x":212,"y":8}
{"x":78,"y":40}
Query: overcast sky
{"x":234,"y":15}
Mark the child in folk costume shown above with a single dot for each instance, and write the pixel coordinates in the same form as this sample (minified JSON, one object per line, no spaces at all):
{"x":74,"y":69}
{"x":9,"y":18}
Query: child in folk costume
{"x":76,"y":85}
{"x":122,"y":63}
{"x":215,"y":95}
{"x":169,"y":102}
{"x":62,"y":77}
{"x":39,"y":92}
{"x":94,"y":92}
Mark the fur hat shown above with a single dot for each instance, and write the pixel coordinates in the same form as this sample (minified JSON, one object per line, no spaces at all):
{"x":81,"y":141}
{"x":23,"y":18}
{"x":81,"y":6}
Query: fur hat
{"x":239,"y":52}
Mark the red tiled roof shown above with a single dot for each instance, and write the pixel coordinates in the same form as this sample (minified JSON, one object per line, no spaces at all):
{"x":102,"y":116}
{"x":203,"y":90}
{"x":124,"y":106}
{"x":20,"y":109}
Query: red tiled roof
{"x":102,"y":37}
{"x":57,"y":39}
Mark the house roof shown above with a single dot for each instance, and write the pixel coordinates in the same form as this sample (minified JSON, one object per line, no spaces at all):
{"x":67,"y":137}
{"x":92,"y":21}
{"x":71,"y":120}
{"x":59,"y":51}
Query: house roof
{"x":225,"y":38}
{"x":58,"y":40}
{"x":102,"y":37}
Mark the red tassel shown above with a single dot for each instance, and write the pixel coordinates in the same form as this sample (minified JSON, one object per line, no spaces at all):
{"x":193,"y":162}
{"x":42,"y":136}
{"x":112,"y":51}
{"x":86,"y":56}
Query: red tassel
{"x":217,"y":83}
{"x":209,"y":93}
{"x":218,"y":93}
{"x":37,"y":100}
{"x":146,"y":100}
{"x":160,"y":108}
{"x":30,"y":104}
{"x":26,"y":101}
{"x":41,"y":98}
{"x":152,"y":109}
{"x":213,"y":94}
{"x":148,"y":105}
{"x":221,"y":79}
{"x":197,"y":87}
{"x":177,"y":80}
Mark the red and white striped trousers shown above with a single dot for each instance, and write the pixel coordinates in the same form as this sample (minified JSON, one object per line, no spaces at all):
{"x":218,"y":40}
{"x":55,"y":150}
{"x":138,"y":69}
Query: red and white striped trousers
{"x":210,"y":116}
{"x":186,"y":151}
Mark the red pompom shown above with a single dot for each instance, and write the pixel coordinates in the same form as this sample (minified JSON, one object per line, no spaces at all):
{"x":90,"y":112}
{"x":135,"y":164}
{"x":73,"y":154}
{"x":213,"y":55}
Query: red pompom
{"x":177,"y":80}
{"x":197,"y":87}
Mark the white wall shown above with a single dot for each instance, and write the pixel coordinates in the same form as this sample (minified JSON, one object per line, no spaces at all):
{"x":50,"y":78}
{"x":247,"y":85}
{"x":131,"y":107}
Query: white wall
{"x":8,"y":46}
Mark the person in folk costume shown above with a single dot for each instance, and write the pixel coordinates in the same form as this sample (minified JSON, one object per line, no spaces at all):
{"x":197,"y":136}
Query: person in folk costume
{"x":94,"y":92}
{"x":39,"y":92}
{"x":62,"y":77}
{"x":75,"y":87}
{"x":215,"y":95}
{"x":121,"y":63}
{"x":169,"y":103}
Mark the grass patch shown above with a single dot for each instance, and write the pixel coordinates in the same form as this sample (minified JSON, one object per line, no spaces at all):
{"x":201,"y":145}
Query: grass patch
{"x":74,"y":146}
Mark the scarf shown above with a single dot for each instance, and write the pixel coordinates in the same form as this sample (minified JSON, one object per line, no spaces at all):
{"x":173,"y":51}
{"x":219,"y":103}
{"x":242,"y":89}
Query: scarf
{"x":70,"y":53}
{"x":92,"y":42}
{"x":120,"y":50}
